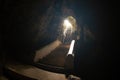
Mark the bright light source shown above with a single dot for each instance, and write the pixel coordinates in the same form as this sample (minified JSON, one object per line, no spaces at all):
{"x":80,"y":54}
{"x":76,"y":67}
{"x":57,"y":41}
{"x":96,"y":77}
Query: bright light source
{"x":67,"y":24}
{"x":71,"y":47}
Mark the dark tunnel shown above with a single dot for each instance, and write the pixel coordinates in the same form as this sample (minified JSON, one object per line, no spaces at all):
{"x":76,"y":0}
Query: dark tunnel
{"x":30,"y":25}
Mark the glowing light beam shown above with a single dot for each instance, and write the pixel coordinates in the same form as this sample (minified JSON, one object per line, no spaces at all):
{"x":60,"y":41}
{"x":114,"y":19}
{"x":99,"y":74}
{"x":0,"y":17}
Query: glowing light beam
{"x":71,"y":47}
